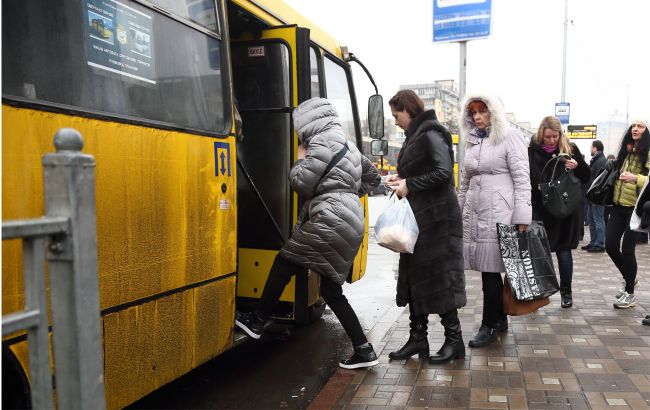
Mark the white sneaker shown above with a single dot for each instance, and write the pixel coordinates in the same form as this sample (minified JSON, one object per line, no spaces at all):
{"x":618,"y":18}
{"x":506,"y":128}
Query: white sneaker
{"x":625,"y":302}
{"x":621,"y":288}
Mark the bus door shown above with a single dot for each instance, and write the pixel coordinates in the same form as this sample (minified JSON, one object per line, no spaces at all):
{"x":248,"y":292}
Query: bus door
{"x":268,"y":72}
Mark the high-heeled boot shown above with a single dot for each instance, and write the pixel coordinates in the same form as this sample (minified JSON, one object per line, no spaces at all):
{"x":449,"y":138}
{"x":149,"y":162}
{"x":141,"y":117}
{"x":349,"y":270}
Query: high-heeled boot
{"x":566,"y":296}
{"x":417,"y":343}
{"x":453,"y":347}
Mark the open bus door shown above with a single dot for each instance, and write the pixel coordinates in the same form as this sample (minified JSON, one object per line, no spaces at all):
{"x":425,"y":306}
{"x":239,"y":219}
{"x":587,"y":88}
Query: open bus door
{"x":269,"y":73}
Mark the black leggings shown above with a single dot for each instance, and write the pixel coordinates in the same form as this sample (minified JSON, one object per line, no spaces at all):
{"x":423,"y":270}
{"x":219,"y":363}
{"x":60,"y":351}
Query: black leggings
{"x":280,"y":275}
{"x":492,"y":298}
{"x":622,"y":255}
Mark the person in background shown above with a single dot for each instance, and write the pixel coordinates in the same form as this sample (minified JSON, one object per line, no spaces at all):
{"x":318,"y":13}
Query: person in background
{"x":495,"y":187}
{"x":596,"y":213}
{"x":432,"y":279}
{"x":549,"y":142}
{"x":633,"y":163}
{"x":330,"y":227}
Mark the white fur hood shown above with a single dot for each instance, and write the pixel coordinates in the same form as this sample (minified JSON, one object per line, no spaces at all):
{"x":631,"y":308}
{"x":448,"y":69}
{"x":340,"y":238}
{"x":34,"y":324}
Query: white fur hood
{"x":498,"y":123}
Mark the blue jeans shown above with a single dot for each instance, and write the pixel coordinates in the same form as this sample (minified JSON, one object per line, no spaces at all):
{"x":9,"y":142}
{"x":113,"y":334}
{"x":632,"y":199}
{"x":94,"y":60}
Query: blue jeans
{"x":596,"y":216}
{"x":565,"y":266}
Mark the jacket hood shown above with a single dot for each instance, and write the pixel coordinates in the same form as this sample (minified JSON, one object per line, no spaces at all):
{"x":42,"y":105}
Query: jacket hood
{"x":498,"y":122}
{"x":312,"y":117}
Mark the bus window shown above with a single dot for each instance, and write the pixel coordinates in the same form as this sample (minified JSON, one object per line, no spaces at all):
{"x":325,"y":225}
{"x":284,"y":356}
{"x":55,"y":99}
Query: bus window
{"x":199,"y":11}
{"x":315,"y":81}
{"x":128,"y":61}
{"x":336,"y":83}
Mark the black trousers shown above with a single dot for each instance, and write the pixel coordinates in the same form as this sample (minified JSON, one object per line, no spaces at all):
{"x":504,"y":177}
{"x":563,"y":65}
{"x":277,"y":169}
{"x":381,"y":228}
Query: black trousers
{"x":492,"y":298}
{"x":622,"y":254}
{"x":280,"y":275}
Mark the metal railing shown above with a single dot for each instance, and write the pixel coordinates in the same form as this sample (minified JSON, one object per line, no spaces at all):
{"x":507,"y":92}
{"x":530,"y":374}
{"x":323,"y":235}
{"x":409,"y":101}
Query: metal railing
{"x":66,"y":237}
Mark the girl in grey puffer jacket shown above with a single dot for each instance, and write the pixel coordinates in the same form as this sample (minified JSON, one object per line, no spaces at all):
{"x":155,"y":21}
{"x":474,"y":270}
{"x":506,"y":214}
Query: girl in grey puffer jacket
{"x":330,"y":174}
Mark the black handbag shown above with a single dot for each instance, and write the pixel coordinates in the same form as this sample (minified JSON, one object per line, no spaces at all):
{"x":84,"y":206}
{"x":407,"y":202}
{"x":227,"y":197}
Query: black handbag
{"x":561,"y":195}
{"x":601,"y":190}
{"x":528,"y":261}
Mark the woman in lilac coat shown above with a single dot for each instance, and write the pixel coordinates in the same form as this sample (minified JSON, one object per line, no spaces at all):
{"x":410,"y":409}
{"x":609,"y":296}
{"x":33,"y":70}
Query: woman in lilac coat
{"x":495,"y":187}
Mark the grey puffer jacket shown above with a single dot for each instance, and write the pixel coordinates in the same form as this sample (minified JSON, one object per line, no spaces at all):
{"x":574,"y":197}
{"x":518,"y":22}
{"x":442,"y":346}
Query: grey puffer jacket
{"x":331,"y":224}
{"x":495,"y":186}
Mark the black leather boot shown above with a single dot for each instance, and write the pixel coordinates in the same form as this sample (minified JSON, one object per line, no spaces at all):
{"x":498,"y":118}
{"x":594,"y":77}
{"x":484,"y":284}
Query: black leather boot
{"x":417,"y":343}
{"x":453,"y":348}
{"x":566,"y":296}
{"x":484,"y":337}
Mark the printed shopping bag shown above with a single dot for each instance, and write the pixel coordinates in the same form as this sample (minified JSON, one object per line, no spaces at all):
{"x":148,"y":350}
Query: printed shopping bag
{"x":528,"y":261}
{"x":514,"y":307}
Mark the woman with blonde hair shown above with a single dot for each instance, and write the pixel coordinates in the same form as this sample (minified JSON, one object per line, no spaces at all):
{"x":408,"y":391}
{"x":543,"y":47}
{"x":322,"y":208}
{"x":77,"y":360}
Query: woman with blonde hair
{"x":548,"y":143}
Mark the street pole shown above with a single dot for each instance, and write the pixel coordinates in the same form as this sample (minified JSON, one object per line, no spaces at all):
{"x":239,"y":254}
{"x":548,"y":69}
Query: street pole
{"x":460,"y":148}
{"x":566,"y":22}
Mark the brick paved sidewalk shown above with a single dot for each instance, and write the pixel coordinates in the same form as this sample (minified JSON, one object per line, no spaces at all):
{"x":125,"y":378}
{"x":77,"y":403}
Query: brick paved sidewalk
{"x":591,"y":356}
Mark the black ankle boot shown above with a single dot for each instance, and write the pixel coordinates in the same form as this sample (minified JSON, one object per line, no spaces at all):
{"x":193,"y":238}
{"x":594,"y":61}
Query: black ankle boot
{"x":484,"y":337}
{"x":363,"y":356}
{"x":566,"y":296}
{"x":453,"y":348}
{"x":417,"y":343}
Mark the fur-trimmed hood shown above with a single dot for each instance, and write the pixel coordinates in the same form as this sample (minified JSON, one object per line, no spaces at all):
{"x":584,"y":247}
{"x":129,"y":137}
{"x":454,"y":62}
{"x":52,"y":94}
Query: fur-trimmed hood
{"x":498,"y":128}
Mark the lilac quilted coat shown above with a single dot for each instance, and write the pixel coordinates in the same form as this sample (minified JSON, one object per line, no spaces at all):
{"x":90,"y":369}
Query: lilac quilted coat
{"x":495,"y":185}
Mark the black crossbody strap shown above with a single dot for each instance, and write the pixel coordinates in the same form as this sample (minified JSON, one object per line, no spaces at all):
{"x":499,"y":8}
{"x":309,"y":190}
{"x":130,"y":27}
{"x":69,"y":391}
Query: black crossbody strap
{"x":339,"y":155}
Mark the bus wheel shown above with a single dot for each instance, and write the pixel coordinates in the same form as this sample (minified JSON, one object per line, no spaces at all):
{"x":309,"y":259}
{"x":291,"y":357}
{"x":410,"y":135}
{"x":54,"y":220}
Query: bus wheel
{"x":16,"y":393}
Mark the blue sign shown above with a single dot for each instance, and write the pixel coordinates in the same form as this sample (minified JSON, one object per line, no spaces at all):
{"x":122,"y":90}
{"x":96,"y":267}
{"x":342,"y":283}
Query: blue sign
{"x":562,"y":111}
{"x":461,"y":20}
{"x":221,"y":158}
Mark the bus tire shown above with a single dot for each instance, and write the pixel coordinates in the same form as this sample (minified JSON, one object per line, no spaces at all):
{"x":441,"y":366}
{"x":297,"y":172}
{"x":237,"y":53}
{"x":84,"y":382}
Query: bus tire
{"x":16,"y":393}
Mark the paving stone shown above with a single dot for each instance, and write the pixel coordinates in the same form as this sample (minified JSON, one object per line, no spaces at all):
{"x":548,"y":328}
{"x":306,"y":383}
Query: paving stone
{"x":591,"y":356}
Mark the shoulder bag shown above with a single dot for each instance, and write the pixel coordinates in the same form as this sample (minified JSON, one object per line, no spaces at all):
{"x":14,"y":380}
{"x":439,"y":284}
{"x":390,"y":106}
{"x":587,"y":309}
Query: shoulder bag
{"x":601,"y":190}
{"x":561,"y":195}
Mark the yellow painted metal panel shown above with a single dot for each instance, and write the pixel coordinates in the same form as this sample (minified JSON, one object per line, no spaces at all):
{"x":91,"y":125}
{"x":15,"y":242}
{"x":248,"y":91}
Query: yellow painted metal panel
{"x":162,"y":218}
{"x":149,"y":345}
{"x":254,"y":268}
{"x":277,"y":12}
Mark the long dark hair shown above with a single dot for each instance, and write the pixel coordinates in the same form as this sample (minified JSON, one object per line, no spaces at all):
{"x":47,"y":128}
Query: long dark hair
{"x":642,"y":148}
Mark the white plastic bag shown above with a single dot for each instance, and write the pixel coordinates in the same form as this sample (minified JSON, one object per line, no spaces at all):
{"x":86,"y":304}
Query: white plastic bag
{"x":635,"y":221}
{"x":396,"y":227}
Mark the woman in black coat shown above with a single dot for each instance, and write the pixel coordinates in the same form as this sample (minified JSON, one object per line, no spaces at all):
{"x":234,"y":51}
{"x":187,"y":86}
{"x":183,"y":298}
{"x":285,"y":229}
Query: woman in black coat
{"x":563,"y":233}
{"x":432,"y":279}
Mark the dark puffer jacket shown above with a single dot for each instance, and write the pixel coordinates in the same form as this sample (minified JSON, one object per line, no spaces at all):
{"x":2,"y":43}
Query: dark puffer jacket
{"x":330,"y":229}
{"x":432,"y":279}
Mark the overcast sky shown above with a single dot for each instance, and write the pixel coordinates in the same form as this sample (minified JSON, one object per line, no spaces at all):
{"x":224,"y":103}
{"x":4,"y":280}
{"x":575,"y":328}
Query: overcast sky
{"x":521,"y":61}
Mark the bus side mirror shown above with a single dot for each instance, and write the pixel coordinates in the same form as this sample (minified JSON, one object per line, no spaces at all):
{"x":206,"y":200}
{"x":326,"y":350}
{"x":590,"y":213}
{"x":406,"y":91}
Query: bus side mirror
{"x":376,"y":116}
{"x":379,"y":147}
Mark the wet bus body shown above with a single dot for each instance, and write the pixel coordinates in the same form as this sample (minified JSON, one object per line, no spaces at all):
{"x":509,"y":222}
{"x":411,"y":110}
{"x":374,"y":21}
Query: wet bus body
{"x":191,"y":207}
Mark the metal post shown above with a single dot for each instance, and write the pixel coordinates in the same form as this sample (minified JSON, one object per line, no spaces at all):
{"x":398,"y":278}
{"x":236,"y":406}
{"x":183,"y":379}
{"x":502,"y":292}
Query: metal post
{"x":460,"y":148}
{"x":37,"y":337}
{"x":566,"y":22}
{"x":69,"y":180}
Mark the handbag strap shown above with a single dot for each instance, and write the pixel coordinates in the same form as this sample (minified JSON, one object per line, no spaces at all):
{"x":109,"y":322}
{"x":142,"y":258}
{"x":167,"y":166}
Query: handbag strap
{"x":335,"y":160}
{"x":555,"y":158}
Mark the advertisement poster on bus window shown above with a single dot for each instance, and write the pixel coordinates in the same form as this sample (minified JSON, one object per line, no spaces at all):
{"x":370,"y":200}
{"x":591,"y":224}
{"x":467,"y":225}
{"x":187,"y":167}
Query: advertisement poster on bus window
{"x":119,"y":39}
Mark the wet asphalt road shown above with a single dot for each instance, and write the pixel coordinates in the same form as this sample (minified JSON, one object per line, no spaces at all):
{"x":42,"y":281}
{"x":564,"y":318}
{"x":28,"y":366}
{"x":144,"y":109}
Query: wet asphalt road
{"x":285,"y":373}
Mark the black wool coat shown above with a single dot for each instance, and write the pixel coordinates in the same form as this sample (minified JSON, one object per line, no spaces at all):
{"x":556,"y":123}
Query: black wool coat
{"x":432,"y":279}
{"x":563,"y":233}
